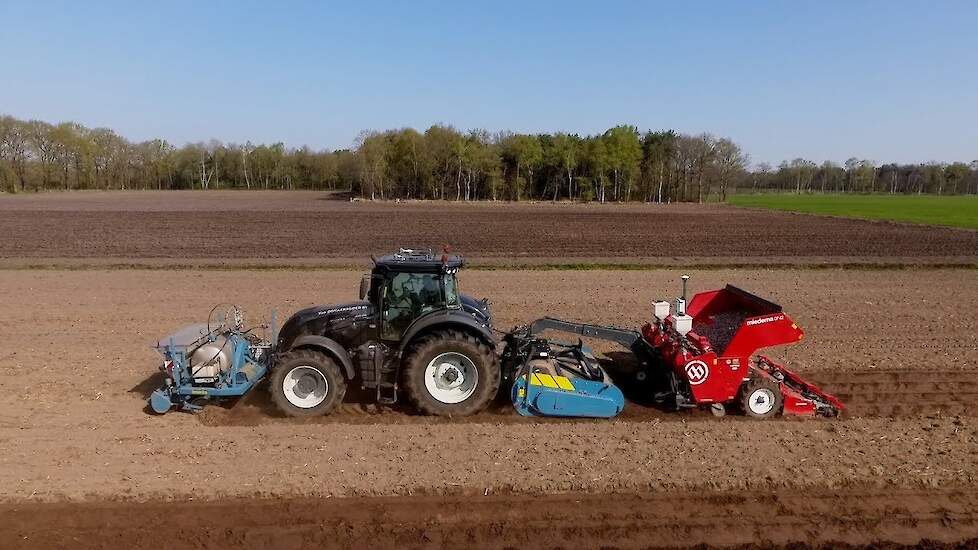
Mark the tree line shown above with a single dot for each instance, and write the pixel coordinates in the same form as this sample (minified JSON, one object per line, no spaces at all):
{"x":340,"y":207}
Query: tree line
{"x":863,"y":176}
{"x":35,"y":155}
{"x":621,"y":164}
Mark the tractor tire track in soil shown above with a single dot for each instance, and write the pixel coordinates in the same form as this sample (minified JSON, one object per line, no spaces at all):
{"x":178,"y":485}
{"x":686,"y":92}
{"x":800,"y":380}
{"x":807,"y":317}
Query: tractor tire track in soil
{"x":814,"y":518}
{"x":888,"y":394}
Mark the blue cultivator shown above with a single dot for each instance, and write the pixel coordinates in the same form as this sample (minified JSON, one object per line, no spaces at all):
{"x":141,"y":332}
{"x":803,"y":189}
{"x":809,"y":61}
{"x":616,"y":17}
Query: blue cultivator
{"x":209,"y":361}
{"x":562,"y":380}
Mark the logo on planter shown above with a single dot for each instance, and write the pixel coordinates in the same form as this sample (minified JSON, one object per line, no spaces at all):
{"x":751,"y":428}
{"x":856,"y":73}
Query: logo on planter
{"x":697,"y":372}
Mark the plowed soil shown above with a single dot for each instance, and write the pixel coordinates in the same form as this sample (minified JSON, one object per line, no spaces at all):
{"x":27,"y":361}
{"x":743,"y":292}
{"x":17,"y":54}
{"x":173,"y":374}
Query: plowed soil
{"x":282,"y":227}
{"x":900,"y":347}
{"x":747,"y":519}
{"x":83,"y":465}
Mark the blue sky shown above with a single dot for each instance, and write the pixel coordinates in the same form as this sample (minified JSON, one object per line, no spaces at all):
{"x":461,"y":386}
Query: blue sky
{"x":824,"y":80}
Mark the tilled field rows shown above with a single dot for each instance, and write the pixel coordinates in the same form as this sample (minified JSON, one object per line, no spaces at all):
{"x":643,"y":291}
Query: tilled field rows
{"x":76,"y":368}
{"x":190,"y":227}
{"x":177,"y":457}
{"x":904,"y":393}
{"x":803,"y":519}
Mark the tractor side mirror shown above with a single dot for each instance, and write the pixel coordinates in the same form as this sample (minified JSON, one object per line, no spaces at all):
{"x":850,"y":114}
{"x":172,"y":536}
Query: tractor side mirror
{"x":364,"y":287}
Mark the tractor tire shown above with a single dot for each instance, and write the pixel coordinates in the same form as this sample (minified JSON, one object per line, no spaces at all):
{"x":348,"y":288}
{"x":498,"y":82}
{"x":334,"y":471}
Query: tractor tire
{"x":761,"y":397}
{"x":450,"y":373}
{"x":306,"y":382}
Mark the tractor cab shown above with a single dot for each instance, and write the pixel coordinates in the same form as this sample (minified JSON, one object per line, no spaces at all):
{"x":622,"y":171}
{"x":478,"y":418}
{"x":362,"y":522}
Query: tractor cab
{"x":408,"y":285}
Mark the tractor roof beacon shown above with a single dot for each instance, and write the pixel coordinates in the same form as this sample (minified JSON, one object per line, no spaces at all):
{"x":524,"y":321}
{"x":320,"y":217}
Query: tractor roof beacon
{"x":411,"y":331}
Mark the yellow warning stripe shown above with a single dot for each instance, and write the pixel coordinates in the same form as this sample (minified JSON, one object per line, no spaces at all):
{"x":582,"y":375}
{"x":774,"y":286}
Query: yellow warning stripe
{"x":564,"y":383}
{"x":549,"y":381}
{"x":541,"y":379}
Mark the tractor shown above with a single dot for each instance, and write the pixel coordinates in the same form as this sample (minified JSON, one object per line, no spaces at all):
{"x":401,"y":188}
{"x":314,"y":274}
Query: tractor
{"x":412,"y":330}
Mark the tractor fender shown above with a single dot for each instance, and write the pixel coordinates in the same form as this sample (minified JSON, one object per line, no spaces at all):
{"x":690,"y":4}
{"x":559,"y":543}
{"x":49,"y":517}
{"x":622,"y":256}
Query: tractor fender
{"x":442,"y":319}
{"x":330,"y":346}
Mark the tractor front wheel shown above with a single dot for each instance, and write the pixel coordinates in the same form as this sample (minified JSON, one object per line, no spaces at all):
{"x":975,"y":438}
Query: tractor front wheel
{"x":450,"y":374}
{"x":307,"y":383}
{"x":760,"y":397}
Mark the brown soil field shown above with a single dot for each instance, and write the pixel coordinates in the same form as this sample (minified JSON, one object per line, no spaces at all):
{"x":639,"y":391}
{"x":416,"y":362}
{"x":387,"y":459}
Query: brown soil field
{"x":275,"y":227}
{"x":846,"y":519}
{"x":82,"y":463}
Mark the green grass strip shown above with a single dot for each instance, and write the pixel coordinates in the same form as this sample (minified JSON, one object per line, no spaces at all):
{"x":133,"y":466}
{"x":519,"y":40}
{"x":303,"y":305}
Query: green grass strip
{"x":951,"y":211}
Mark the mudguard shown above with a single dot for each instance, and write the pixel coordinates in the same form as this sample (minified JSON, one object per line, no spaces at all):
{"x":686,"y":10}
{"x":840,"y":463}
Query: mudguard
{"x":448,"y":319}
{"x":330,"y":346}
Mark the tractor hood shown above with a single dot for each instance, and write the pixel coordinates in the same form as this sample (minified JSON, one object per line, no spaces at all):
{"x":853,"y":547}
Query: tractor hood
{"x":321,"y":320}
{"x":477,"y":308}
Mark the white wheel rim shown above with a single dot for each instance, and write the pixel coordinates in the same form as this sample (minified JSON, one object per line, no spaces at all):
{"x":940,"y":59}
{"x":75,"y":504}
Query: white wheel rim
{"x":761,"y":401}
{"x":451,"y":378}
{"x":305,"y":387}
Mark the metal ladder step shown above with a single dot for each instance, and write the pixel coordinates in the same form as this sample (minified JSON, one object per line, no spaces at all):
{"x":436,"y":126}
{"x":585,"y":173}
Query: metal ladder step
{"x":386,"y":393}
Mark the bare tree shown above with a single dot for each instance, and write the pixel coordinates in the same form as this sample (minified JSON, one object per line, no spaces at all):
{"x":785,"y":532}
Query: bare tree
{"x":730,"y":162}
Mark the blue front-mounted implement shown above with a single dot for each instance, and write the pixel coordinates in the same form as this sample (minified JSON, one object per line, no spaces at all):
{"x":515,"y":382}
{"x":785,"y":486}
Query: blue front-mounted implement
{"x":557,"y":379}
{"x":560,"y":396}
{"x":213,"y":360}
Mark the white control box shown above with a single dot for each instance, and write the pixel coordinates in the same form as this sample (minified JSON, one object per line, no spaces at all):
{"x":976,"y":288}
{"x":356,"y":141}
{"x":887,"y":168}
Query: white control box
{"x":682,"y":323}
{"x":660,"y":310}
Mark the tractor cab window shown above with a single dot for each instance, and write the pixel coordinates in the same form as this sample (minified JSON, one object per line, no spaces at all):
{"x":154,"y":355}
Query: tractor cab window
{"x":406,"y":297}
{"x":451,"y":291}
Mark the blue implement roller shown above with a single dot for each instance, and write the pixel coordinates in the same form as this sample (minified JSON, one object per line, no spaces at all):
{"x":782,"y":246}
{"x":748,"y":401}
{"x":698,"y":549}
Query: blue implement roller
{"x":210,"y":361}
{"x":564,"y":381}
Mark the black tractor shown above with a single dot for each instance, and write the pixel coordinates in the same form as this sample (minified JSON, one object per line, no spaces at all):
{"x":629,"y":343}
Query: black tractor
{"x":412,"y":331}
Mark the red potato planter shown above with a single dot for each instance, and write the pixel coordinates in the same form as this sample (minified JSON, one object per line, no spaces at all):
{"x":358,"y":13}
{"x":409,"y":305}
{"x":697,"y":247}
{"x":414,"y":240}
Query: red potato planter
{"x":707,"y":349}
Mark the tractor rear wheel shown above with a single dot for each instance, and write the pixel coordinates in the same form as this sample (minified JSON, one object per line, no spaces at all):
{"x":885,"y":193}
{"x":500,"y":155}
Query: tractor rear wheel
{"x":760,"y":397}
{"x":307,"y":383}
{"x":450,"y":373}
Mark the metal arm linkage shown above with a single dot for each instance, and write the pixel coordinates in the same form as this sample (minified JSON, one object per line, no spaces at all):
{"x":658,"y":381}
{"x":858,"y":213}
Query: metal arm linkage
{"x":611,"y":334}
